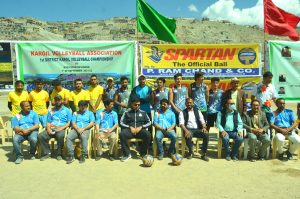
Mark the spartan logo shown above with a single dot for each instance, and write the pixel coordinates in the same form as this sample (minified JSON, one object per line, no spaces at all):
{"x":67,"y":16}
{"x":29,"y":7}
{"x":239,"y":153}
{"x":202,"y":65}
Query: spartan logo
{"x":155,"y":54}
{"x":247,"y":56}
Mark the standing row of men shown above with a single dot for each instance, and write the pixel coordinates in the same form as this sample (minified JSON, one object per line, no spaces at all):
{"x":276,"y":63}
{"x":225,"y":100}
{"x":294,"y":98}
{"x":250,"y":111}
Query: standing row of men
{"x":208,"y":103}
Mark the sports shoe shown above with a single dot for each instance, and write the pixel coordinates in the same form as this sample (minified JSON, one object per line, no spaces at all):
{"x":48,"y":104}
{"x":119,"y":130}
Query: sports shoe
{"x":125,"y":158}
{"x":98,"y":157}
{"x":59,"y":157}
{"x":189,"y":156}
{"x":70,"y":159}
{"x":204,"y":157}
{"x":280,"y":157}
{"x":19,"y":160}
{"x":82,"y":159}
{"x":234,"y":158}
{"x":252,"y":160}
{"x":45,"y":157}
{"x":160,"y":157}
{"x":289,"y":155}
{"x":111,"y":157}
{"x":228,"y":158}
{"x":32,"y":157}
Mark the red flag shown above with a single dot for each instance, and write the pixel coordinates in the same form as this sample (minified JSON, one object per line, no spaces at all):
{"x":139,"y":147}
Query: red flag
{"x":279,"y":22}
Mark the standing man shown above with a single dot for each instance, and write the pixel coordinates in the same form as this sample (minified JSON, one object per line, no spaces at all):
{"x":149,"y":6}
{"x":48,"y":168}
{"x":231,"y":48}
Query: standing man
{"x":110,"y":92}
{"x":161,"y":92}
{"x":16,"y":97}
{"x":134,"y":123}
{"x":122,"y":97}
{"x":284,"y":122}
{"x":96,"y":95}
{"x":59,"y":90}
{"x":256,"y":124}
{"x":26,"y":126}
{"x":230,"y":126}
{"x":265,"y":93}
{"x":82,"y":121}
{"x":144,"y":93}
{"x":192,"y":124}
{"x":58,"y":119}
{"x":165,"y":123}
{"x":178,"y":95}
{"x":77,"y":95}
{"x":39,"y":100}
{"x":106,"y":127}
{"x":214,"y":102}
{"x":199,"y":93}
{"x":237,"y":96}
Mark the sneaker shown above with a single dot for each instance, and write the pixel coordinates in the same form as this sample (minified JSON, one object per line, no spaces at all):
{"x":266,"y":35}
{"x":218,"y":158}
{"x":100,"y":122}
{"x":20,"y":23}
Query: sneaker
{"x":252,"y":160}
{"x":234,"y":158}
{"x":111,"y":157}
{"x":280,"y":157}
{"x":205,"y":158}
{"x":98,"y":157}
{"x":160,"y":157}
{"x":19,"y":160}
{"x":70,"y":160}
{"x":125,"y":158}
{"x":82,"y":159}
{"x":59,"y":157}
{"x":189,"y":156}
{"x":228,"y":158}
{"x":45,"y":157}
{"x":289,"y":155}
{"x":32,"y":157}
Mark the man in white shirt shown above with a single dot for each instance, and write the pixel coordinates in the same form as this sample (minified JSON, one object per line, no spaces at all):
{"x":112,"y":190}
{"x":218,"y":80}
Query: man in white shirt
{"x":192,"y":124}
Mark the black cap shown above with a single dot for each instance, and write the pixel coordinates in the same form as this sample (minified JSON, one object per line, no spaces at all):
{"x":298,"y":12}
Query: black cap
{"x":268,"y":74}
{"x":58,"y":97}
{"x":83,"y":103}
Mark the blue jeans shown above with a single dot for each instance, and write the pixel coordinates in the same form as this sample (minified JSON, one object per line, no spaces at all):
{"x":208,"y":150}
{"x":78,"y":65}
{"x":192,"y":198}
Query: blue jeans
{"x":18,"y":139}
{"x":237,"y":143}
{"x":160,"y":135}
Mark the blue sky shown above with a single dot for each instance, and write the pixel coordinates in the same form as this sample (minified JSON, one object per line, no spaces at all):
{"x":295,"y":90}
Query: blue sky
{"x":238,"y":11}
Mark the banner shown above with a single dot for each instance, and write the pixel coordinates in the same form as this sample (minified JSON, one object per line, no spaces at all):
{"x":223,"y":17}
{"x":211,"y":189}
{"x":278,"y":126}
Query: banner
{"x":68,"y":61}
{"x":246,"y":84}
{"x":285,"y":66}
{"x":6,"y":74}
{"x":213,"y":59}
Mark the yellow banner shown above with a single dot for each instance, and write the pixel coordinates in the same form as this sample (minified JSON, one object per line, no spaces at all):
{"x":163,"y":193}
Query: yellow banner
{"x":213,"y":59}
{"x":5,"y":67}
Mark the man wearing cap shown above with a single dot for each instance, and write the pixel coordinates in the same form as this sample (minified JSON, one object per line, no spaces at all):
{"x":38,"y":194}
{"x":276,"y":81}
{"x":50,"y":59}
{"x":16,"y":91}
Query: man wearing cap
{"x":58,"y":119}
{"x":110,"y":91}
{"x":82,"y":121}
{"x":25,"y":125}
{"x":199,"y":93}
{"x":265,"y":93}
{"x":58,"y":89}
{"x":144,"y":93}
{"x":77,"y":95}
{"x":122,"y":97}
{"x":237,"y":96}
{"x":39,"y":99}
{"x":96,"y":95}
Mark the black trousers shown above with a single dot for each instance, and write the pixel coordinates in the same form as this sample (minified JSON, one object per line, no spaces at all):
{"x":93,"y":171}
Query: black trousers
{"x":143,"y":134}
{"x":198,"y":134}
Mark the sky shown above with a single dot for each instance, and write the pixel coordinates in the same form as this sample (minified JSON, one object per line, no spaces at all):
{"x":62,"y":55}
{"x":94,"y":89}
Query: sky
{"x":243,"y":12}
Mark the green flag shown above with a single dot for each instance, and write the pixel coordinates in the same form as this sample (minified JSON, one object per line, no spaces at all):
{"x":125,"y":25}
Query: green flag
{"x":150,"y":21}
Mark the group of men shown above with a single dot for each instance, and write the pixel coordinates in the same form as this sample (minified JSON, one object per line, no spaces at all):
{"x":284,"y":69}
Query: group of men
{"x":195,"y":108}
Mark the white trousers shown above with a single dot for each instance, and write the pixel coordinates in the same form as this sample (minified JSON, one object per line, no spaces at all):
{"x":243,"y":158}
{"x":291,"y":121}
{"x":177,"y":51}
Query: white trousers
{"x":294,"y":142}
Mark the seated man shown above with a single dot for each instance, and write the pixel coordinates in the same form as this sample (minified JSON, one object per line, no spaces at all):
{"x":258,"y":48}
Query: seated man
{"x":58,"y":119}
{"x":230,"y":125}
{"x":26,"y":125}
{"x":134,"y":123}
{"x":192,"y":124}
{"x":82,"y":121}
{"x":284,"y":122}
{"x":256,"y":125}
{"x":106,"y":126}
{"x":165,"y":123}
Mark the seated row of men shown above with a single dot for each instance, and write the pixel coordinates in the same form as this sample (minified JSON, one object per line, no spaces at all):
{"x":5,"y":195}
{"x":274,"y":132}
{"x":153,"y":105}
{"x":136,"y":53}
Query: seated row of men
{"x":135,"y":123}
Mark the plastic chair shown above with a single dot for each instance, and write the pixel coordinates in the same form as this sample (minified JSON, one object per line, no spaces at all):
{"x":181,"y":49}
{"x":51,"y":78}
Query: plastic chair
{"x":183,"y":142}
{"x":5,"y":130}
{"x":231,"y":142}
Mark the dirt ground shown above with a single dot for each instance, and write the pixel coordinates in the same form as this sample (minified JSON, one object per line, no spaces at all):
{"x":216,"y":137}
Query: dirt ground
{"x":105,"y":179}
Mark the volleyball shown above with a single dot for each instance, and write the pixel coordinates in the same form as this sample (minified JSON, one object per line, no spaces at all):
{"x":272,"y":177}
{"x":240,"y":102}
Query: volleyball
{"x":148,"y":160}
{"x":176,"y":159}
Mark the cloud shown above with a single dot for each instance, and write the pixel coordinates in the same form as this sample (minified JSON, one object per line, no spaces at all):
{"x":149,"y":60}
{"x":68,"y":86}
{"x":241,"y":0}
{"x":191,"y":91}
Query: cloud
{"x":226,"y":10}
{"x":193,"y":8}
